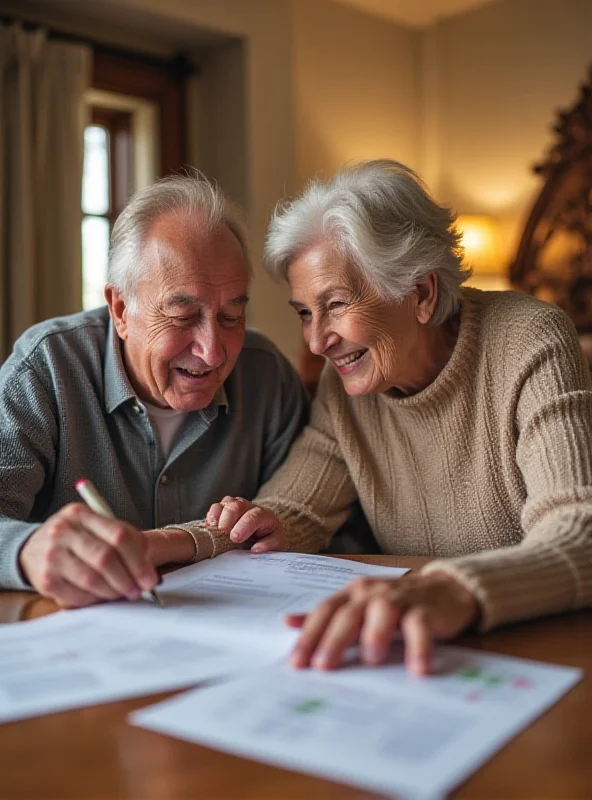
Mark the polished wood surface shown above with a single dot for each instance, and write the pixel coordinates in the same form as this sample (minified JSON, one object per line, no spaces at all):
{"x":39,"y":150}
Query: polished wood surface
{"x":93,"y":753}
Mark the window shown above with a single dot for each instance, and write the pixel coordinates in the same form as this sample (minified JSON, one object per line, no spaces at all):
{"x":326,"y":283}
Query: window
{"x":136,"y":114}
{"x":106,"y":187}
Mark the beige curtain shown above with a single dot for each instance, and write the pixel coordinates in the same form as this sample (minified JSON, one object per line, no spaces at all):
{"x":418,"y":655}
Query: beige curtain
{"x":42,"y":117}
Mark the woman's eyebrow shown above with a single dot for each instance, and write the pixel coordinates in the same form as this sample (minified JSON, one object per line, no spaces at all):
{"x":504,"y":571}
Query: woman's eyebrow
{"x":321,"y":299}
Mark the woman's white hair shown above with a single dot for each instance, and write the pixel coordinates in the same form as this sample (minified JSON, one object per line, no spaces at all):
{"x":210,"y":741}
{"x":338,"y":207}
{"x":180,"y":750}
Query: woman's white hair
{"x":189,"y":194}
{"x":381,"y":218}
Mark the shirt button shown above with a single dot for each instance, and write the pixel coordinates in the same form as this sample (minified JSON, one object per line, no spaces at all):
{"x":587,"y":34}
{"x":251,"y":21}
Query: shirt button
{"x":165,"y":479}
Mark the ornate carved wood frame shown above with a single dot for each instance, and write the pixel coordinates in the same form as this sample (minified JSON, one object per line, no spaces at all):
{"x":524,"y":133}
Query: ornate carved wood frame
{"x":554,"y":259}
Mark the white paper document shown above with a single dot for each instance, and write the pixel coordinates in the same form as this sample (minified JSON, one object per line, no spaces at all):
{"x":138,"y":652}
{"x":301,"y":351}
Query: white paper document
{"x":221,"y":616}
{"x":245,"y":596}
{"x":61,"y":662}
{"x":374,"y":727}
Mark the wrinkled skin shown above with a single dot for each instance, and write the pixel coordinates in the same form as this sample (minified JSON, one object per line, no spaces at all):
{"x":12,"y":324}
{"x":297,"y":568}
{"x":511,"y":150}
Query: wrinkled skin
{"x":342,"y":314}
{"x":376,"y":346}
{"x":181,"y":335}
{"x":188,"y":314}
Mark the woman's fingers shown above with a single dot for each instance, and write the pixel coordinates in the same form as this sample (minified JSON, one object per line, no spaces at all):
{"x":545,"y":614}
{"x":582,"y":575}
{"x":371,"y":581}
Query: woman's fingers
{"x":213,"y":515}
{"x":233,"y":509}
{"x":313,"y":630}
{"x":273,"y":543}
{"x":341,"y":633}
{"x":419,"y":640}
{"x":381,"y":622}
{"x":255,"y":521}
{"x":295,"y":620}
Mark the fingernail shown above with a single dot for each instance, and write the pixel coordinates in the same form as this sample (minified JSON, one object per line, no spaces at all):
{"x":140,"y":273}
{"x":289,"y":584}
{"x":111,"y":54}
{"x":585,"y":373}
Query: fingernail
{"x":147,"y":580}
{"x":134,"y":594}
{"x":257,"y":548}
{"x":320,"y":661}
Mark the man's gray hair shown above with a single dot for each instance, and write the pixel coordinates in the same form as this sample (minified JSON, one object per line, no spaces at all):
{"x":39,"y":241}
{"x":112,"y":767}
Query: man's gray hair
{"x":380,"y":216}
{"x":180,"y":194}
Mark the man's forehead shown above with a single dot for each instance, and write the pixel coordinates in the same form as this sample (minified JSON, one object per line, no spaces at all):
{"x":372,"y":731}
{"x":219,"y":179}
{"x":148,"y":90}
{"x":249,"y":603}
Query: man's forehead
{"x":213,"y":258}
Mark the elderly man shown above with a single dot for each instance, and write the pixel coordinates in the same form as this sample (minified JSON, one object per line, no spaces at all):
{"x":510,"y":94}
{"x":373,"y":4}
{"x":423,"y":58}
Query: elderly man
{"x":161,"y":399}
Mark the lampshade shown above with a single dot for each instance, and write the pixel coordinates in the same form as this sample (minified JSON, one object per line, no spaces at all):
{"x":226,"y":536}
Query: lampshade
{"x":481,"y":240}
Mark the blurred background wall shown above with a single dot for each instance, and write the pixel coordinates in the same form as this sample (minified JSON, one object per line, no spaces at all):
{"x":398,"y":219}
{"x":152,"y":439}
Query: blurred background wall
{"x":464,"y":92}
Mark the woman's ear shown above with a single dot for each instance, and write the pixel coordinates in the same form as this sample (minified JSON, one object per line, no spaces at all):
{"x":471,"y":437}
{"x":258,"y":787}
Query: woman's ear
{"x":117,"y":309}
{"x":427,"y":296}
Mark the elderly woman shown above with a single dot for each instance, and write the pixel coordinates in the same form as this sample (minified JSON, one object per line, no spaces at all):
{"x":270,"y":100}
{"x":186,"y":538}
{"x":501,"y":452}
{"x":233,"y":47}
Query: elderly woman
{"x":460,"y":419}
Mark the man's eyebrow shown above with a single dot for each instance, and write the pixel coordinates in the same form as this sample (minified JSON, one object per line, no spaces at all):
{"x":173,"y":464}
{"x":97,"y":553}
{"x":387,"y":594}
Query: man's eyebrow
{"x":182,"y":300}
{"x":192,"y":300}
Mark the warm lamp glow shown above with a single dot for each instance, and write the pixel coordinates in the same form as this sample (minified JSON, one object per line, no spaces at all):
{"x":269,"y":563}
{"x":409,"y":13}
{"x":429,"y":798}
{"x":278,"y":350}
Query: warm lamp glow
{"x":481,"y":240}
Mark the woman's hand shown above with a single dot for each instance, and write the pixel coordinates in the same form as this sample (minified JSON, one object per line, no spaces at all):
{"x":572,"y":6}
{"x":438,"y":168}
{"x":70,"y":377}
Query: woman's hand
{"x":370,"y":611}
{"x":241,"y":520}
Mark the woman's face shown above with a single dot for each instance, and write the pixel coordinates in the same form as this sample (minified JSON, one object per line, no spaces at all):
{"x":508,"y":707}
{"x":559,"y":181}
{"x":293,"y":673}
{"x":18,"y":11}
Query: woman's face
{"x":373,"y":344}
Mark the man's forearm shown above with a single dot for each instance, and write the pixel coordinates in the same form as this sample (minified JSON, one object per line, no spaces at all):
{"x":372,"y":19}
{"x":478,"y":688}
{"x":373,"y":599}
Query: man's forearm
{"x":13,"y":535}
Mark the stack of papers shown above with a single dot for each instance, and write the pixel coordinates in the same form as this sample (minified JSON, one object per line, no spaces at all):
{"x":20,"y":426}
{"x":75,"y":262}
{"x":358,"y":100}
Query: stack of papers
{"x":221,"y":616}
{"x":376,"y":727}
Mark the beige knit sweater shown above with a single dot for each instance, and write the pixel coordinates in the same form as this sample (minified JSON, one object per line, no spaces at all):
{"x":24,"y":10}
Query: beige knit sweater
{"x":489,"y":469}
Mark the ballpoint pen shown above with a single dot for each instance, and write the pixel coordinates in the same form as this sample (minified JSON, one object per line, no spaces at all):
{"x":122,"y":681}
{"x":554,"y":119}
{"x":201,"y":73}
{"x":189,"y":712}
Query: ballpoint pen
{"x":90,"y":494}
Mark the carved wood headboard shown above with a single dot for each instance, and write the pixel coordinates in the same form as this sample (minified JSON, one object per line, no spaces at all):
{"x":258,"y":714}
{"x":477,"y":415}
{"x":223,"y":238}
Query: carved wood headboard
{"x":554,"y":259}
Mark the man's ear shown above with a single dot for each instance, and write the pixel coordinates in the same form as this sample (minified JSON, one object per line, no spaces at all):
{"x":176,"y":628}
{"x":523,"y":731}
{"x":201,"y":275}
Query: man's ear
{"x":427,"y":296}
{"x":118,"y":310}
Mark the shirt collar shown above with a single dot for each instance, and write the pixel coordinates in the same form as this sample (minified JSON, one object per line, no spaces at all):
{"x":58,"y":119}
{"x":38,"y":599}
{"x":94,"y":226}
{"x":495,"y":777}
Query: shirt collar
{"x":118,"y":388}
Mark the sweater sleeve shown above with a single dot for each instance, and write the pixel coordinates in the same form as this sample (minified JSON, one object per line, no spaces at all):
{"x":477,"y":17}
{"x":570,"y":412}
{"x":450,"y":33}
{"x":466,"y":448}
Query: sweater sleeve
{"x":312,"y":492}
{"x":551,"y":569}
{"x":28,"y":442}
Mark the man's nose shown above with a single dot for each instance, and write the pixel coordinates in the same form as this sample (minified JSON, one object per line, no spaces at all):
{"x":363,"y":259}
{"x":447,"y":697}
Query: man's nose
{"x":207,"y":345}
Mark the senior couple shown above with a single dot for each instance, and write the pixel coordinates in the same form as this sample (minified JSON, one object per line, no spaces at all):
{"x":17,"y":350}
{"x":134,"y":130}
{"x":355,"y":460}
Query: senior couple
{"x":459,"y":419}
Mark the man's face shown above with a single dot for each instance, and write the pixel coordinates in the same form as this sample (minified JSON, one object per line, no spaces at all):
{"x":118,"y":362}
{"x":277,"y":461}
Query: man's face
{"x":185,"y":333}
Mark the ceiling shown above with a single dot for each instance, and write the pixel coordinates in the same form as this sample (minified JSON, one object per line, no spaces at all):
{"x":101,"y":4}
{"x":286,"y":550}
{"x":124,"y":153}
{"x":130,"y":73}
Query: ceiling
{"x":415,"y":13}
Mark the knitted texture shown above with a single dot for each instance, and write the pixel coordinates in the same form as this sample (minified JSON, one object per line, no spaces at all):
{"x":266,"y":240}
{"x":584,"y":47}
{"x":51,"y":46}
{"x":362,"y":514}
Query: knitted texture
{"x":488,"y":470}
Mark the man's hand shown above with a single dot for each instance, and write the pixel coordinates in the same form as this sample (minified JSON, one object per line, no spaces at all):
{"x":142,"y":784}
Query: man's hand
{"x":78,"y":558}
{"x":424,"y":608}
{"x":241,"y":519}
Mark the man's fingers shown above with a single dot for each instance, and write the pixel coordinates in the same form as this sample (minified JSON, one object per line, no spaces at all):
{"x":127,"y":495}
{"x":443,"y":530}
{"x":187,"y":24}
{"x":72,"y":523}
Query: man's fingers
{"x":419,"y":642}
{"x":95,"y":558}
{"x":313,"y":629}
{"x":129,"y":544}
{"x":68,"y":596}
{"x":341,"y":632}
{"x":381,"y":621}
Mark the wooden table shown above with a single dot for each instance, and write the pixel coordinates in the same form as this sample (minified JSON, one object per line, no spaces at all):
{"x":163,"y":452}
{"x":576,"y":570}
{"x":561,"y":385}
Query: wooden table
{"x":94,"y":753}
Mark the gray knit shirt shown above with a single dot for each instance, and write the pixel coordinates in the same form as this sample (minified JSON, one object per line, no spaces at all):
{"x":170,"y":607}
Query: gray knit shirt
{"x":68,"y":411}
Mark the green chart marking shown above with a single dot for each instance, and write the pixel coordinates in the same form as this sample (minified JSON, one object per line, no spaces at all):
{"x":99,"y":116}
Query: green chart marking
{"x":470,"y":673}
{"x":310,"y":705}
